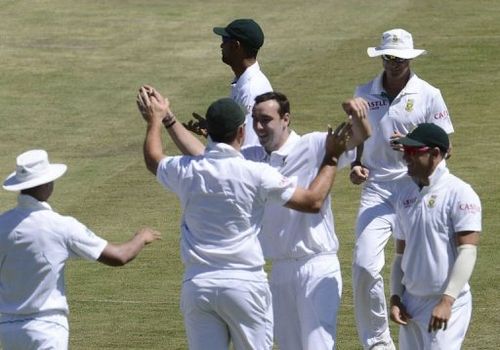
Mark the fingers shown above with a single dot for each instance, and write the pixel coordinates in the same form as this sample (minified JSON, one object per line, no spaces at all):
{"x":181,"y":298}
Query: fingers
{"x":436,"y":324}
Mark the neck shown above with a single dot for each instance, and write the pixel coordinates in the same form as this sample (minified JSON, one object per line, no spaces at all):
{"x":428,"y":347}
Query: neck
{"x":241,"y":66}
{"x":394,"y":85}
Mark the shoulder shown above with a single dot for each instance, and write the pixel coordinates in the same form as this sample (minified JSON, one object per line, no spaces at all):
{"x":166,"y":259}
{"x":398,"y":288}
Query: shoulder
{"x":255,"y":153}
{"x":365,"y":88}
{"x":425,"y":86}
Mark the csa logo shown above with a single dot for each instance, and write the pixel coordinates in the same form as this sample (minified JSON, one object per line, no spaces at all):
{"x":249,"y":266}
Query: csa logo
{"x":432,"y":201}
{"x":409,"y":105}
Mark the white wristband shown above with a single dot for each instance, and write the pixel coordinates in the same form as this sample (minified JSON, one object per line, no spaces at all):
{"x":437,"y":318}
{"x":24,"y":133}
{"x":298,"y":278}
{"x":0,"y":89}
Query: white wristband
{"x":397,"y":286}
{"x":462,"y":269}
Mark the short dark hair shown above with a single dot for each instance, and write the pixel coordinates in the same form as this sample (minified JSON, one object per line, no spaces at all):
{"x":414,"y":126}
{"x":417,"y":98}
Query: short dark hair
{"x":250,"y":52}
{"x":227,"y":138}
{"x":281,"y":99}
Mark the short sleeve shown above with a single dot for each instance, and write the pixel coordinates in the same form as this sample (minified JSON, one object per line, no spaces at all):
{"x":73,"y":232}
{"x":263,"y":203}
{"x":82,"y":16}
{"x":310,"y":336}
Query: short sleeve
{"x":277,"y":188}
{"x":438,"y":113}
{"x":167,"y":173}
{"x":82,"y":241}
{"x":466,"y":211}
{"x":317,"y":141}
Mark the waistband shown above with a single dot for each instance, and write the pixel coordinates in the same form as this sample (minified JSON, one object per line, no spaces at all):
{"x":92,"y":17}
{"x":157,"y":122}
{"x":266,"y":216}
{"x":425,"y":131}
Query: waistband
{"x":305,"y":258}
{"x":58,"y":317}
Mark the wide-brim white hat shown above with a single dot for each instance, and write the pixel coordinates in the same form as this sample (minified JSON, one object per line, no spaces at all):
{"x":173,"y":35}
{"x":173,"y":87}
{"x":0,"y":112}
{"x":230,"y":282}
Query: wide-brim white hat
{"x":33,"y":169}
{"x":396,"y":42}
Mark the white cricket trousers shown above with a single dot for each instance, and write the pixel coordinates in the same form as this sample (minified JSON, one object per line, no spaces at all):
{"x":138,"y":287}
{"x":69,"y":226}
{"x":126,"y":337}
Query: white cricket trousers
{"x":415,"y":335}
{"x":219,"y":311}
{"x":373,"y":230}
{"x":49,"y":332}
{"x":306,"y":299}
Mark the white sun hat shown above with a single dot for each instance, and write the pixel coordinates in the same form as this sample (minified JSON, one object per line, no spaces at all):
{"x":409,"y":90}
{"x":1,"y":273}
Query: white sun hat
{"x":33,"y":169}
{"x":396,"y":42}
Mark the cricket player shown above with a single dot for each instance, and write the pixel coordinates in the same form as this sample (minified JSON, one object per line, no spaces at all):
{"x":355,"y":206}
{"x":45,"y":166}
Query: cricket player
{"x":225,"y":295}
{"x":241,"y":42}
{"x":35,"y":243}
{"x":438,"y":222}
{"x":306,"y":281}
{"x":398,"y":101}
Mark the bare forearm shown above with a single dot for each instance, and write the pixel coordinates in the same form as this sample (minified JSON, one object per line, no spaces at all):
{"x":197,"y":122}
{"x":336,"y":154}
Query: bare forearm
{"x":311,"y":200}
{"x":153,"y":148}
{"x":185,"y":141}
{"x":121,"y":254}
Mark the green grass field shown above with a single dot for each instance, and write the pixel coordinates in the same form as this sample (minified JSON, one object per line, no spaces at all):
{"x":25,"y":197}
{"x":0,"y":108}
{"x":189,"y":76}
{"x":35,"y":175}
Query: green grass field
{"x":70,"y":71}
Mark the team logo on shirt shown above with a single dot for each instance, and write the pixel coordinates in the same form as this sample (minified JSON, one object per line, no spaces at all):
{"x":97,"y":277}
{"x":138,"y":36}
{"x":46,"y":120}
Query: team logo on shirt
{"x":469,"y":208}
{"x":409,"y":202}
{"x":409,"y":105}
{"x":432,"y":201}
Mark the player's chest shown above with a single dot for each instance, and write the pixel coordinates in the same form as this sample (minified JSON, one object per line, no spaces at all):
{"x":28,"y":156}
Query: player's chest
{"x":425,"y":213}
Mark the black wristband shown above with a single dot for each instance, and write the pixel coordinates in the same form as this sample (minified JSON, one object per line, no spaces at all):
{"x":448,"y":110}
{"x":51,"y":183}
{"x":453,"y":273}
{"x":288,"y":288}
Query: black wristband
{"x":168,"y":126}
{"x":356,"y":163}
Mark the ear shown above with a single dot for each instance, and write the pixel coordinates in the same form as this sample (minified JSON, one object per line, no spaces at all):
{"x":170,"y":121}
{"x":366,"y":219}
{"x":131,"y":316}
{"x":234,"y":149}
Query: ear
{"x":436,"y":152}
{"x":286,"y":118}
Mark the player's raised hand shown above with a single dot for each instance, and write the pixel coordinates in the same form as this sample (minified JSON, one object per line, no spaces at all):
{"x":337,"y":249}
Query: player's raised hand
{"x":336,"y":141}
{"x":152,"y":105}
{"x":198,"y":125}
{"x":357,"y":111}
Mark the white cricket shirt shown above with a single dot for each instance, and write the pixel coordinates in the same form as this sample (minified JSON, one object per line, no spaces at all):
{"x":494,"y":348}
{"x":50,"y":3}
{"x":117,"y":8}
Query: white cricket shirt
{"x":222,"y":196}
{"x":428,"y":221}
{"x":35,"y":243}
{"x":249,"y":85}
{"x":418,"y":102}
{"x":287,"y":233}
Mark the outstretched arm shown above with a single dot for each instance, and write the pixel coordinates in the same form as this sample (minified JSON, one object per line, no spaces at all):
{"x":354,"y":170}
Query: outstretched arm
{"x":121,"y":254}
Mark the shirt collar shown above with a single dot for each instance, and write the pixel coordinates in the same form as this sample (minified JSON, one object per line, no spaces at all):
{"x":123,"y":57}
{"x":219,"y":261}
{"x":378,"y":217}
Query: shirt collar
{"x":289,"y":144}
{"x":28,"y":202}
{"x":411,"y":86}
{"x":434,"y":179}
{"x":220,"y":150}
{"x":247,"y":74}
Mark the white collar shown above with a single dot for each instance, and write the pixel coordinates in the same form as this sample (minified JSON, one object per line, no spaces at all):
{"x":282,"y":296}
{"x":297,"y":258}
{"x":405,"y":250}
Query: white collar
{"x":28,"y":202}
{"x":287,"y":147}
{"x":411,"y":86}
{"x":220,"y":150}
{"x":247,"y":74}
{"x":434,"y":179}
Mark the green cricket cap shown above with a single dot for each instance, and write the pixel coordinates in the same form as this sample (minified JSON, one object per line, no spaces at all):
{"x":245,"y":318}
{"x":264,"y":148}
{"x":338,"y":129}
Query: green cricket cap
{"x":427,"y":134}
{"x":224,"y":116}
{"x":245,"y":30}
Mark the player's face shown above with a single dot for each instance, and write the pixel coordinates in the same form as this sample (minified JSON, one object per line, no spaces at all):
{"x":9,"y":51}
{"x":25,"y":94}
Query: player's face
{"x":419,"y":161}
{"x":270,"y":127}
{"x":396,"y":68}
{"x":226,"y":48}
